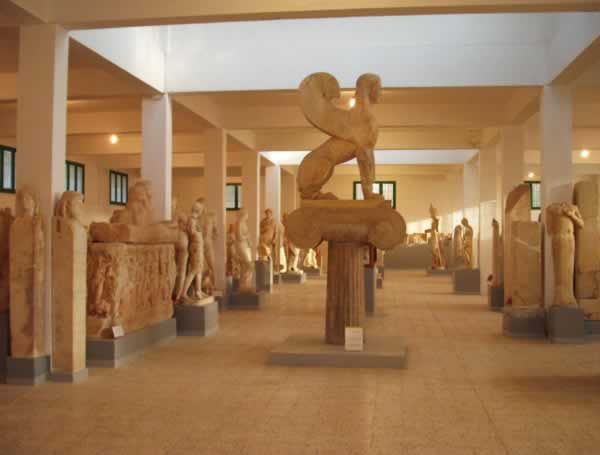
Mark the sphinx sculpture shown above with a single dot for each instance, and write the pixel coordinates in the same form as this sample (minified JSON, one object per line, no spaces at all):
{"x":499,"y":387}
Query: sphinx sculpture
{"x":243,"y":251}
{"x":353,"y":133}
{"x":27,"y":277}
{"x":561,"y":220}
{"x":467,"y":241}
{"x":437,"y":260}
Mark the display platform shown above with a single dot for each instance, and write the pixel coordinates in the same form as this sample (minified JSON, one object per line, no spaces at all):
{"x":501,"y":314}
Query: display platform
{"x":113,"y":353}
{"x":312,"y":272}
{"x":293,"y":277}
{"x":370,"y":286}
{"x":27,"y":371}
{"x":592,"y":330}
{"x":566,"y":324}
{"x":264,"y":275}
{"x":311,"y":350}
{"x":466,"y":281}
{"x":524,"y":322}
{"x":200,"y":320}
{"x":246,"y":300}
{"x":496,"y":297}
{"x":4,"y":343}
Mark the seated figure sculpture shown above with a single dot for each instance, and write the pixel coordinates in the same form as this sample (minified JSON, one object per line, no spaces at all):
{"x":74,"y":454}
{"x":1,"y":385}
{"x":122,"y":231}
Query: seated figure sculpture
{"x":353,"y":133}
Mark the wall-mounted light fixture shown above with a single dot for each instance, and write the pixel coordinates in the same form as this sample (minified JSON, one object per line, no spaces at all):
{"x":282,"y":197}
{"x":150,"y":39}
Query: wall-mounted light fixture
{"x":113,"y":139}
{"x":584,"y":154}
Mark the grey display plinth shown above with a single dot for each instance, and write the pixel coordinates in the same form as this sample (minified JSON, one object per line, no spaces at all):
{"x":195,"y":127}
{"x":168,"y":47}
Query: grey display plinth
{"x":370,"y":285}
{"x":380,"y":352}
{"x":276,"y":279}
{"x":246,"y":300}
{"x":466,"y":281}
{"x":200,"y":320}
{"x":264,"y":275}
{"x":566,"y":324}
{"x":524,"y":322}
{"x":293,"y":277}
{"x":4,"y":343}
{"x":73,"y":378}
{"x":311,"y":272}
{"x":27,"y":371}
{"x":496,"y":297}
{"x":114,"y":353}
{"x":438,"y":272}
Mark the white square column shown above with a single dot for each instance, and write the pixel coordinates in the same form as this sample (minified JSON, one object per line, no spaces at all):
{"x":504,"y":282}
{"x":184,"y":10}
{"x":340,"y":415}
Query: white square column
{"x":471,"y":200}
{"x":215,"y":174}
{"x":42,"y":127}
{"x":251,"y":194}
{"x":557,"y":163}
{"x":487,"y":210}
{"x":157,"y":152}
{"x":289,"y":194}
{"x":273,"y":190}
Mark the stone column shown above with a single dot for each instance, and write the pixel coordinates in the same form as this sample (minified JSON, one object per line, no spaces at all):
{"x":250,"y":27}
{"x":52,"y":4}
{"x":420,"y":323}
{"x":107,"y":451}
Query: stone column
{"x":557,"y":174}
{"x":41,"y":127}
{"x":251,"y":194}
{"x":487,"y":211}
{"x":273,"y":190}
{"x":289,"y":192}
{"x":157,"y":152}
{"x":471,"y":203}
{"x":215,"y":173}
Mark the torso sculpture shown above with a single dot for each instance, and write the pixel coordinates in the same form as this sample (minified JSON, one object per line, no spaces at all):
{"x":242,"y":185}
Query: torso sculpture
{"x":244,"y":252}
{"x":561,"y":219}
{"x":437,"y":260}
{"x":353,"y":133}
{"x":266,"y":240}
{"x":467,"y":241}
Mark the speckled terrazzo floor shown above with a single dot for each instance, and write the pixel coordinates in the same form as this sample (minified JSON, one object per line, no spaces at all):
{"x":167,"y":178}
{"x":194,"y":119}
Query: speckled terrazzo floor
{"x":467,"y":389}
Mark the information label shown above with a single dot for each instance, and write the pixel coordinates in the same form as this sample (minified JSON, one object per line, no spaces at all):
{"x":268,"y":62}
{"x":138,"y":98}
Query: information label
{"x":354,"y":339}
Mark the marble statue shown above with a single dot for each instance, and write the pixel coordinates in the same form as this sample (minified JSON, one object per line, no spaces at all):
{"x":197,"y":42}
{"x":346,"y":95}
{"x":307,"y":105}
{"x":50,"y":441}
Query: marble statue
{"x":139,"y":206}
{"x":561,"y":220}
{"x":467,"y":241}
{"x":266,"y":240}
{"x":179,"y":220}
{"x":231,"y":267}
{"x":517,"y":208}
{"x":457,"y":246}
{"x":69,"y":287}
{"x":353,"y":133}
{"x":497,"y":255}
{"x":27,"y":277}
{"x":209,"y":231}
{"x":434,"y":240}
{"x":310,"y":259}
{"x":6,"y":220}
{"x":243,"y":252}
{"x":279,"y":256}
{"x":196,"y":250}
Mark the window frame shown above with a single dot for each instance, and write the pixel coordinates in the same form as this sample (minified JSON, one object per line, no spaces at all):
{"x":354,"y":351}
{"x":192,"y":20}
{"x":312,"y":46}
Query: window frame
{"x":238,"y":200}
{"x":76,"y":165}
{"x":13,"y":151}
{"x":120,"y":174}
{"x":531,"y":183}
{"x":380,"y":183}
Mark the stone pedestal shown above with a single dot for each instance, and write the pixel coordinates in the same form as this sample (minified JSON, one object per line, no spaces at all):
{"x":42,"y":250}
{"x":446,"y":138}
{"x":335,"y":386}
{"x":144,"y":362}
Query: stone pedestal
{"x":293,"y":277}
{"x":370,"y":286}
{"x":438,"y":272}
{"x":264,"y":275}
{"x":312,"y":272}
{"x":201,"y":319}
{"x":566,"y":324}
{"x":27,"y":371}
{"x":4,"y":343}
{"x":379,"y":282}
{"x":276,"y":278}
{"x":246,"y":300}
{"x":466,"y":281}
{"x":496,"y":297}
{"x":524,"y":322}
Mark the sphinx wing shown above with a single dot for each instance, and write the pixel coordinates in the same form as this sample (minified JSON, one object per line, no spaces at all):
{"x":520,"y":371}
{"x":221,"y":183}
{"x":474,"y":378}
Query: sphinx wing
{"x":317,"y":93}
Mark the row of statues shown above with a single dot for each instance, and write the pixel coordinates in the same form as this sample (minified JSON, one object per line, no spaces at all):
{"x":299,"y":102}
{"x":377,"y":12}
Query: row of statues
{"x":462,"y":243}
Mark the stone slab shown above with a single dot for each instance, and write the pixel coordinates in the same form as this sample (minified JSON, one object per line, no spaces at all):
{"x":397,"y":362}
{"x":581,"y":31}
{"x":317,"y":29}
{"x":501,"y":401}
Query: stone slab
{"x":27,"y":371}
{"x":380,"y":352}
{"x":264,"y":275}
{"x":197,"y":320}
{"x":370,"y":286}
{"x":293,"y":278}
{"x":566,"y":324}
{"x":117,"y":352}
{"x":246,"y":300}
{"x":73,"y":378}
{"x":520,"y":323}
{"x":496,"y":298}
{"x":466,"y":281}
{"x":4,"y":343}
{"x":438,"y":272}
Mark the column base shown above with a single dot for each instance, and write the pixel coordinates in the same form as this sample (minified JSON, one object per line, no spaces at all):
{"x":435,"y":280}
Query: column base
{"x":466,"y":281}
{"x":566,"y":324}
{"x":199,"y":320}
{"x":523,"y":322}
{"x":27,"y":371}
{"x":496,"y":297}
{"x":71,"y":377}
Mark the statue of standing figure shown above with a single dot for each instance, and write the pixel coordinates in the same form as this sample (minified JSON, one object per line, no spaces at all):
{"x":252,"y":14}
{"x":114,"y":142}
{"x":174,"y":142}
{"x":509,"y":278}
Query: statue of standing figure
{"x":467,"y":240}
{"x":209,"y":231}
{"x":179,"y":220}
{"x":266,"y":240}
{"x":243,"y":251}
{"x":561,"y":219}
{"x":434,"y":240}
{"x":196,"y":253}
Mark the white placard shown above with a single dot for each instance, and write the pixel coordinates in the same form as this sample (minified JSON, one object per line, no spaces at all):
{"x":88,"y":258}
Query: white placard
{"x":118,"y":331}
{"x":354,"y":338}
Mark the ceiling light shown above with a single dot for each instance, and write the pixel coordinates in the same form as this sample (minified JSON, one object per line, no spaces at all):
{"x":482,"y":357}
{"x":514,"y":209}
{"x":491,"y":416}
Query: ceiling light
{"x":113,"y":139}
{"x":584,"y":154}
{"x":530,"y":175}
{"x":352,"y":102}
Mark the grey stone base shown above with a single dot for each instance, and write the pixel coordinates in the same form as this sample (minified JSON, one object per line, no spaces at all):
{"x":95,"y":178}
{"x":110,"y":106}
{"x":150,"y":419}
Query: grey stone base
{"x":263,"y":275}
{"x":380,"y":352}
{"x":379,"y":282}
{"x":310,"y":272}
{"x":73,"y":378}
{"x":566,"y":324}
{"x":246,"y":300}
{"x":115,"y":353}
{"x":293,"y":277}
{"x":276,"y":279}
{"x":592,"y":330}
{"x":27,"y":371}
{"x":466,"y":281}
{"x":438,"y":272}
{"x":370,"y":285}
{"x":496,"y":297}
{"x":381,"y":271}
{"x":524,"y":322}
{"x":4,"y":343}
{"x":197,"y":320}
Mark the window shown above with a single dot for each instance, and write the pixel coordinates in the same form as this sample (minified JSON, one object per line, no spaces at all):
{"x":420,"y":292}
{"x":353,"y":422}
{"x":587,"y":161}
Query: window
{"x":118,"y":185}
{"x":535,"y":189}
{"x":75,"y":176}
{"x":388,"y":189}
{"x":7,"y":169}
{"x":233,"y":196}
